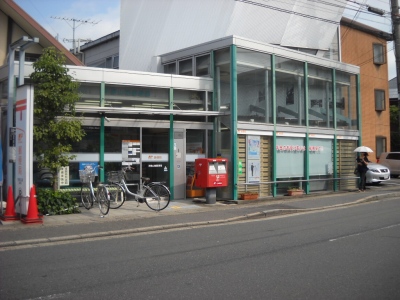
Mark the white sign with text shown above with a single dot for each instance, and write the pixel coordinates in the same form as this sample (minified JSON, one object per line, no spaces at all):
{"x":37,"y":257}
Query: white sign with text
{"x":24,"y":147}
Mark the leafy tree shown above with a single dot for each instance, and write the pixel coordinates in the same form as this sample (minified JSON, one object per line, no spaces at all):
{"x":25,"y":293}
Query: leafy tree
{"x":56,"y":126}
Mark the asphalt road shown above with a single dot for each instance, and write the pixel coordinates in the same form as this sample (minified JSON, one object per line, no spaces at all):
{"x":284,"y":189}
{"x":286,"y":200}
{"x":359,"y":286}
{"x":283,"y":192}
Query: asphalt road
{"x":345,"y":253}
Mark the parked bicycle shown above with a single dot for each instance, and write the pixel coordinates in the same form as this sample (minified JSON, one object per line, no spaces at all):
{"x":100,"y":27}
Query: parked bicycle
{"x":155,"y":194}
{"x":88,"y":196}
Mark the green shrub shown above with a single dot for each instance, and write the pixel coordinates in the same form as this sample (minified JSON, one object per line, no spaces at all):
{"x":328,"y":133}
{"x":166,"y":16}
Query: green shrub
{"x":52,"y":202}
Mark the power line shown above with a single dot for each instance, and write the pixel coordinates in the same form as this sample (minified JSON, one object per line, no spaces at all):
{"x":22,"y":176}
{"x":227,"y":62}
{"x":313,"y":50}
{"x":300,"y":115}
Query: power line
{"x":74,"y":26}
{"x":288,"y":11}
{"x":345,"y":34}
{"x":43,"y":17}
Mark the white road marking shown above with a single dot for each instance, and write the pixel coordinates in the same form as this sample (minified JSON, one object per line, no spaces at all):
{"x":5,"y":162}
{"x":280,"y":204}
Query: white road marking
{"x":54,"y":296}
{"x":364,"y":232}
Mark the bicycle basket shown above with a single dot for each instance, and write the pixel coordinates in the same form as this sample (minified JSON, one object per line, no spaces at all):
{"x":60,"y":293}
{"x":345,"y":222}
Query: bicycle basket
{"x":86,"y":176}
{"x":114,"y":176}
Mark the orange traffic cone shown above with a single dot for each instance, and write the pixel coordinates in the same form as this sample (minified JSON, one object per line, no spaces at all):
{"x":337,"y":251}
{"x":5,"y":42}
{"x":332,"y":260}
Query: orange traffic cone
{"x":33,"y":213}
{"x":10,"y":214}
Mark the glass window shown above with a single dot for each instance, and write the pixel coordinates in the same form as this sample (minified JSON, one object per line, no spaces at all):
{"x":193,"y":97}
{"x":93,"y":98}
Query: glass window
{"x":379,"y":54}
{"x":195,"y":144}
{"x":393,"y":155}
{"x":186,"y":67}
{"x":155,"y":140}
{"x":254,"y":86}
{"x":346,"y":100}
{"x":320,"y":157}
{"x":380,"y":100}
{"x":222,"y":98}
{"x":156,"y":171}
{"x":390,"y":156}
{"x":89,"y":94}
{"x":195,"y":141}
{"x":116,"y":62}
{"x":223,"y":76}
{"x":289,"y":157}
{"x":115,"y":135}
{"x":189,"y":100}
{"x":4,"y":93}
{"x":333,"y":51}
{"x":380,"y":145}
{"x":99,"y":64}
{"x":320,"y":153}
{"x":90,"y":142}
{"x":109,"y":62}
{"x":290,"y":91}
{"x":136,"y":97}
{"x":203,"y":65}
{"x":209,"y":101}
{"x":74,"y":174}
{"x":170,"y":68}
{"x":320,"y":94}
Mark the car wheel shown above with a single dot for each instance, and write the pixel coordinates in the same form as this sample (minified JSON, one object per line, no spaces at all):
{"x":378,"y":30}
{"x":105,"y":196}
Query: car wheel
{"x":394,"y":176}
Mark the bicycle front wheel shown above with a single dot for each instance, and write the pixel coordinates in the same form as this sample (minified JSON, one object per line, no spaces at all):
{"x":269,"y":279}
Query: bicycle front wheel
{"x":86,"y":197}
{"x":157,"y":196}
{"x":102,"y":199}
{"x":117,"y":195}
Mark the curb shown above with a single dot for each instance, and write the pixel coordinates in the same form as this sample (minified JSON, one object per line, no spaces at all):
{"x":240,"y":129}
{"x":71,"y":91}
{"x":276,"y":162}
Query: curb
{"x":265,"y":214}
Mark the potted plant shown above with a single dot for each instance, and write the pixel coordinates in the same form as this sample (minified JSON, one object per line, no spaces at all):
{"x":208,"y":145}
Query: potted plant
{"x":249,"y":196}
{"x":295,"y":191}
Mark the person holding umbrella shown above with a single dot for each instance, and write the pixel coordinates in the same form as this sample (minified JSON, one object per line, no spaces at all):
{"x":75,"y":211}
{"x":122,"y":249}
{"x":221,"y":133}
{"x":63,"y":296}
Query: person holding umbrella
{"x":362,"y":167}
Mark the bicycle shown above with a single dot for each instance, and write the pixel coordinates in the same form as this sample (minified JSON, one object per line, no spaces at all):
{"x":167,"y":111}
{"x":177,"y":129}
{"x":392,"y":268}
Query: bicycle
{"x":88,"y":196}
{"x":155,"y":194}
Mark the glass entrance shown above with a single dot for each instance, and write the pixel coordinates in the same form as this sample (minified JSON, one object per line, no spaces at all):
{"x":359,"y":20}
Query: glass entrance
{"x":155,"y":149}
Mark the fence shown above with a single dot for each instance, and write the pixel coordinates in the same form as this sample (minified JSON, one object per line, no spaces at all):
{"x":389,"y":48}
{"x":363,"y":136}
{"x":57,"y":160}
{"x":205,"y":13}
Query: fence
{"x":259,"y":184}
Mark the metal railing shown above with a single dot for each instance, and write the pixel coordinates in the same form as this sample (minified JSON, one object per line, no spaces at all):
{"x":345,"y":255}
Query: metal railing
{"x":259,"y":184}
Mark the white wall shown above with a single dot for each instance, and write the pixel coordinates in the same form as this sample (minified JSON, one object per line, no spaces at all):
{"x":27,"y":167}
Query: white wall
{"x":153,"y":27}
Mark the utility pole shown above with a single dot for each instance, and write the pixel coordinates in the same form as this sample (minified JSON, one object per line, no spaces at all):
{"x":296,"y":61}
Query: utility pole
{"x":74,"y":26}
{"x":396,"y":40}
{"x":79,"y":43}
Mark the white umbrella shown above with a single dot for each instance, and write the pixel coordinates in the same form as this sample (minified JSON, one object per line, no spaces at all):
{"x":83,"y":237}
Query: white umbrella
{"x":363,"y":149}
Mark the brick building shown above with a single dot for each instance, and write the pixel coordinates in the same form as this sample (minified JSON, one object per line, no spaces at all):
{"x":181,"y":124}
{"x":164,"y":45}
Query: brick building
{"x":366,"y":47}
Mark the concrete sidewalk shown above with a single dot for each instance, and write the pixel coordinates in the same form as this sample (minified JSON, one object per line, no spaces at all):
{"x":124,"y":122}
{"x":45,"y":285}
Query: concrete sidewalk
{"x":179,"y":214}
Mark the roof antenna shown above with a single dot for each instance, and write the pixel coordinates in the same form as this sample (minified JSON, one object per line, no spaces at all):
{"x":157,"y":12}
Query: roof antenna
{"x":74,"y":26}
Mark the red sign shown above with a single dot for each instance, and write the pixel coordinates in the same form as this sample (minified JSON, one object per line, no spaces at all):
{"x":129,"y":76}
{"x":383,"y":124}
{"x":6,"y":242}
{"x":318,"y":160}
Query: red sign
{"x":20,"y":106}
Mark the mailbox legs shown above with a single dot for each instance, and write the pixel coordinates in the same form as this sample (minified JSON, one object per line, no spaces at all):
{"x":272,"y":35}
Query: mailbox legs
{"x":211,"y":195}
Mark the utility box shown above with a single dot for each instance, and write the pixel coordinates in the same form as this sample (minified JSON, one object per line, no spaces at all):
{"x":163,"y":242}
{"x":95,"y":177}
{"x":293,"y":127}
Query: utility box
{"x":211,"y":172}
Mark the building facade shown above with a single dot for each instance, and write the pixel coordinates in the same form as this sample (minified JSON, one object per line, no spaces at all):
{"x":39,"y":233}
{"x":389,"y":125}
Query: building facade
{"x":282,"y":117}
{"x":293,"y":117}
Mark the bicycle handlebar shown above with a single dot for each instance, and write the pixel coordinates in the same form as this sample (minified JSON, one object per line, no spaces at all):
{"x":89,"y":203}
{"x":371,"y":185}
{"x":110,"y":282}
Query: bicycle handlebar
{"x":127,"y":168}
{"x":89,"y":168}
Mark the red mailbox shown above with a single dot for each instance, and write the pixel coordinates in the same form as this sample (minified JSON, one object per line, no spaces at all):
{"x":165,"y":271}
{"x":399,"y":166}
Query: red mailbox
{"x":211,"y":172}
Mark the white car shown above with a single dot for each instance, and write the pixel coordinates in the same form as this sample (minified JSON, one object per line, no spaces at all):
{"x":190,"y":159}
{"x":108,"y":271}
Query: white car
{"x":377,"y":173}
{"x":392,"y":161}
